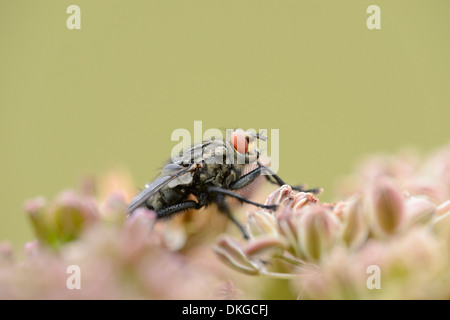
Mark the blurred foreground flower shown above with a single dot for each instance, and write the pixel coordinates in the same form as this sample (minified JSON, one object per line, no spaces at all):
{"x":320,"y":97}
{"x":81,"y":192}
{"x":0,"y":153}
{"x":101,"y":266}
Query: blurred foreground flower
{"x":118,"y":258}
{"x":62,"y":220}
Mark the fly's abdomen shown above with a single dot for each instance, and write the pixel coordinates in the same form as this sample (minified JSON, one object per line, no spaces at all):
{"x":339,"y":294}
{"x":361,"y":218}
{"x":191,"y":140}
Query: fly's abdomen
{"x":165,"y":197}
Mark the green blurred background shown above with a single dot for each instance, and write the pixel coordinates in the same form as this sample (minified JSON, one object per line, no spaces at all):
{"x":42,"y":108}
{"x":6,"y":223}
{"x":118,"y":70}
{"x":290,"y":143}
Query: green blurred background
{"x":74,"y":102}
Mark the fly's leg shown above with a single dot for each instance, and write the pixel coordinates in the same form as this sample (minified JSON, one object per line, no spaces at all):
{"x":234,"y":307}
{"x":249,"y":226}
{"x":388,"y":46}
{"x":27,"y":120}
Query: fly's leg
{"x":239,"y":197}
{"x":168,"y":211}
{"x":278,"y":181}
{"x":245,"y":180}
{"x":225,"y":209}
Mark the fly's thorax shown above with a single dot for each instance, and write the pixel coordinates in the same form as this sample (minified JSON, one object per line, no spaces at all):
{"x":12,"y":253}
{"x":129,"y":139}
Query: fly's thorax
{"x":234,"y":173}
{"x":223,"y":153}
{"x":214,"y":153}
{"x":217,"y":152}
{"x":220,"y":175}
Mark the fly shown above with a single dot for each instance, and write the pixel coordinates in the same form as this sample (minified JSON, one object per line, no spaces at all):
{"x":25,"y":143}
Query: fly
{"x":210,"y":171}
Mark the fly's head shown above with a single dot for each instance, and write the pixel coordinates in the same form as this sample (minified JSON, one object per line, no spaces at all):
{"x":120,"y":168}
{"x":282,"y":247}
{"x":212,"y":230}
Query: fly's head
{"x":244,"y":144}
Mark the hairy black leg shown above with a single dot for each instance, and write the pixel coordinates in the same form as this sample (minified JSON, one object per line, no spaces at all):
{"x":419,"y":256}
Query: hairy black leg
{"x":167,"y":211}
{"x":213,"y":189}
{"x":225,"y":209}
{"x":246,"y":179}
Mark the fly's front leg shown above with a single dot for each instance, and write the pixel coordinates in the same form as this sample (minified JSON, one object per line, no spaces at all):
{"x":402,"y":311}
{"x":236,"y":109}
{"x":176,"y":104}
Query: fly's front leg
{"x":239,"y":197}
{"x":245,"y":180}
{"x":280,"y":182}
{"x":168,"y":211}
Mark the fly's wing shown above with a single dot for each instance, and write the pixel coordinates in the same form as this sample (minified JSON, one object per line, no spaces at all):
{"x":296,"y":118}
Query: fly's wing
{"x":171,"y":172}
{"x":177,"y":172}
{"x":210,"y":151}
{"x":193,"y":154}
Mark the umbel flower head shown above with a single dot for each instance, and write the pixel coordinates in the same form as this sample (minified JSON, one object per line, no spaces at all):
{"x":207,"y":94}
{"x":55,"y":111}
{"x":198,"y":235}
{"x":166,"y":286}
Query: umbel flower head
{"x":386,"y":225}
{"x":388,"y":237}
{"x":118,"y":258}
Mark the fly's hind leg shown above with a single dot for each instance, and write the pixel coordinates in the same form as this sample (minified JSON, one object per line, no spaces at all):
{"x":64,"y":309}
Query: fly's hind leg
{"x":239,"y":197}
{"x":185,"y":205}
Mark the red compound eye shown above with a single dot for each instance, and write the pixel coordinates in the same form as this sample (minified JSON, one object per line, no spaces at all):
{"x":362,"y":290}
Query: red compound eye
{"x":239,"y":142}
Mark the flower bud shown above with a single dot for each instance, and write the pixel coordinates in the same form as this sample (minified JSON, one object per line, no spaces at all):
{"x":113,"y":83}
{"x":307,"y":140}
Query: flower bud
{"x":285,"y":196}
{"x":135,"y":236}
{"x":114,"y":208}
{"x":355,"y":224}
{"x":64,"y":219}
{"x":264,"y":248}
{"x":231,"y":254}
{"x":317,"y":232}
{"x":280,"y":196}
{"x":388,"y":207}
{"x":301,"y":199}
{"x":261,"y":223}
{"x":140,"y":222}
{"x":288,"y":225}
{"x":36,"y":210}
{"x":419,"y":210}
{"x":71,"y":215}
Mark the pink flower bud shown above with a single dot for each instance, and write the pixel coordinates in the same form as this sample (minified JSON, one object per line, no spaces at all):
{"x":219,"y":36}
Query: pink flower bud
{"x":264,"y":248}
{"x":317,"y":231}
{"x":419,"y":210}
{"x":135,"y":236}
{"x":288,"y":224}
{"x":71,"y":214}
{"x":285,"y":196}
{"x":37,"y":212}
{"x":261,"y":223}
{"x":34,"y":205}
{"x":232,"y":255}
{"x":355,"y":223}
{"x":388,"y":207}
